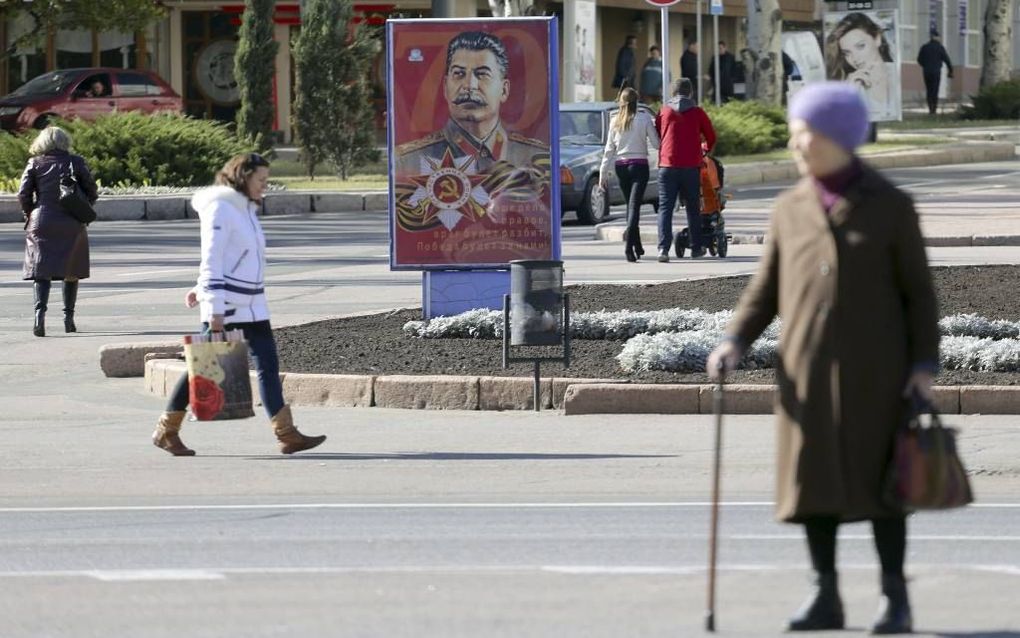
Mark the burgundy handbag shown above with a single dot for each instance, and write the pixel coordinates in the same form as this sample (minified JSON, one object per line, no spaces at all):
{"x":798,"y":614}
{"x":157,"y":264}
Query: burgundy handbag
{"x":926,"y":471}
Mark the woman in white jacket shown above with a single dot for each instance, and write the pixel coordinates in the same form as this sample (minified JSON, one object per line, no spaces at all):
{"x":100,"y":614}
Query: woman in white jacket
{"x":230,"y":294}
{"x":632,"y":136}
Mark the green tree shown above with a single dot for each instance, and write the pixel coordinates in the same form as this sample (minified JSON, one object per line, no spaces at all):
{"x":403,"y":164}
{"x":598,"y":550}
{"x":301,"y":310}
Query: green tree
{"x":254,"y":68}
{"x":103,"y":15}
{"x":333,"y":115}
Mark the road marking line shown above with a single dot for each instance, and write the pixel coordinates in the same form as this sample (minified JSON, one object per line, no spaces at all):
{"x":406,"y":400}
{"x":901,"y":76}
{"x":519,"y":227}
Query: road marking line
{"x":133,"y":575}
{"x":213,"y":573}
{"x":356,"y":506}
{"x":868,"y":537}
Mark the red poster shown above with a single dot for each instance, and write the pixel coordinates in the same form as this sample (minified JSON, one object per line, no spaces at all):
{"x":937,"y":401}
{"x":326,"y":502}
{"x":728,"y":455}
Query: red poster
{"x":471,"y":113}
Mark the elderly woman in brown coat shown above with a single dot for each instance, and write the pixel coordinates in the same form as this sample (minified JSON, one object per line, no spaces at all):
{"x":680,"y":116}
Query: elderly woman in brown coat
{"x":845,"y":269}
{"x":56,"y":244}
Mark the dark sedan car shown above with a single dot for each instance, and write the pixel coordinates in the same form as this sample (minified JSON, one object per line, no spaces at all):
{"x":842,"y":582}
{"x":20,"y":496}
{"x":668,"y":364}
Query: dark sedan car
{"x":86,"y":94}
{"x":583,"y":129}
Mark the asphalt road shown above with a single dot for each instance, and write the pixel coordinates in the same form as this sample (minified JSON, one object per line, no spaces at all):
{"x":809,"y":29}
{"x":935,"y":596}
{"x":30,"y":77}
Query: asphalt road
{"x":418,"y":523}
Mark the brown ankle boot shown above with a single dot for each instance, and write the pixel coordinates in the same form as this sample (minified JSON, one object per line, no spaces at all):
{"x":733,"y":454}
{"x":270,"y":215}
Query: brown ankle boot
{"x":166,"y":435}
{"x":291,"y":440}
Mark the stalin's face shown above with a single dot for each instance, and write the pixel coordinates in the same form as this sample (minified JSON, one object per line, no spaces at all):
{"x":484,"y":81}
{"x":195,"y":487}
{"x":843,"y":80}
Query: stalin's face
{"x":475,"y":87}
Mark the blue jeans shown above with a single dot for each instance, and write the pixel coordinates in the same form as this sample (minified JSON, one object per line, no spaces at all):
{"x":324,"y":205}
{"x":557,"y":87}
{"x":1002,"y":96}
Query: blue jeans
{"x":262,"y":347}
{"x":685,"y":182}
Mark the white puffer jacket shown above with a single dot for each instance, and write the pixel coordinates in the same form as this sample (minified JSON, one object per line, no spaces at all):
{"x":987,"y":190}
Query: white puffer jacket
{"x":231,"y":277}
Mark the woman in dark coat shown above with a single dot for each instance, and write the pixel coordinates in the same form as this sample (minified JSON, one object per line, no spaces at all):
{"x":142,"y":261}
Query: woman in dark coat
{"x":56,"y":244}
{"x":845,"y":269}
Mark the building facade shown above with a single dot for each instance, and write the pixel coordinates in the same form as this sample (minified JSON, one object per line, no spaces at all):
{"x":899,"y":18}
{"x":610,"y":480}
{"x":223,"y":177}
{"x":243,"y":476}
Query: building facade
{"x":192,"y":47}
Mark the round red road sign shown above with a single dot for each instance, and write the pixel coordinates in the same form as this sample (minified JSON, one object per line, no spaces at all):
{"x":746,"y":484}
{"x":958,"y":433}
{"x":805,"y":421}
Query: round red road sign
{"x":662,"y":3}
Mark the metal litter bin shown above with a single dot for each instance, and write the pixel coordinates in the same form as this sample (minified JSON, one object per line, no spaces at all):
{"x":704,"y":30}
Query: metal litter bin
{"x":536,"y":303}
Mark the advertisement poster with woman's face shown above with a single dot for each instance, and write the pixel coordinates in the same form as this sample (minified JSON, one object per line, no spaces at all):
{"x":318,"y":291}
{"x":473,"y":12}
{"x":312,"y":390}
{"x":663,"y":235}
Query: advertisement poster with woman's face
{"x":863,"y":48}
{"x":471,"y":112}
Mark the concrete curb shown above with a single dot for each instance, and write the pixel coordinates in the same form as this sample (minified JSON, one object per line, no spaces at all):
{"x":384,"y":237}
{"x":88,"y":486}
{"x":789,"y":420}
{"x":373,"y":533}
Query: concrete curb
{"x":176,"y":207}
{"x":128,"y":360}
{"x":573,"y":396}
{"x":395,"y":391}
{"x":650,"y":235}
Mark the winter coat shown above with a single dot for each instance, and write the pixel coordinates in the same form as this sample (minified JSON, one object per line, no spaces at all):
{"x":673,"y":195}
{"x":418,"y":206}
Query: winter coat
{"x":682,"y":126}
{"x":855,"y":297}
{"x":624,"y":75}
{"x":56,"y":244}
{"x":231,"y":277}
{"x":932,"y":56}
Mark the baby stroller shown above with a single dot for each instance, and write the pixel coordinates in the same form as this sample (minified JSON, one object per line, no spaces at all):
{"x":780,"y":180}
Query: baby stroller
{"x":713,"y":201}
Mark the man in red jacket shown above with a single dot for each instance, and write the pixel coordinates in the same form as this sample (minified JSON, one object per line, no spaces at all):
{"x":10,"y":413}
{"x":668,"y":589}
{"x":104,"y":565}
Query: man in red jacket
{"x":682,"y":126}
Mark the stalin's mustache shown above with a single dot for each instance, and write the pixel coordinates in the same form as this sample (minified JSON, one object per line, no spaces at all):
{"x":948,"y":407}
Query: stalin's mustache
{"x":467,"y":98}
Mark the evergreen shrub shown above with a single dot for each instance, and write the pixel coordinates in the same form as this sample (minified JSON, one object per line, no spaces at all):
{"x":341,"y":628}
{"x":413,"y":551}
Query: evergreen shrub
{"x":135,"y":149}
{"x":997,"y":102}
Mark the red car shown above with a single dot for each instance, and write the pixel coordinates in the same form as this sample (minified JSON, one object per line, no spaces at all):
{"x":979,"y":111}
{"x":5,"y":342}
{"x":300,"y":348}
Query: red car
{"x":85,"y":93}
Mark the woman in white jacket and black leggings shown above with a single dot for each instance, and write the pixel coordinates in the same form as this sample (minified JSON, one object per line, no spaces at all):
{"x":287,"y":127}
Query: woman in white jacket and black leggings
{"x":632,"y":136}
{"x":231,"y":295}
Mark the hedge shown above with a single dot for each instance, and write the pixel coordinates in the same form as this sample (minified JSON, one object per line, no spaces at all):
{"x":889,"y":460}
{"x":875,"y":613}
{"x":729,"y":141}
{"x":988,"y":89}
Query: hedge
{"x":135,"y":149}
{"x":747,"y":127}
{"x":997,"y":102}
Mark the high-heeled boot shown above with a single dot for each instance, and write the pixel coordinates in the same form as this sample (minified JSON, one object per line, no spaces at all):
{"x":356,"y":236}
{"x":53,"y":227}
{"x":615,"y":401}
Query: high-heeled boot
{"x":70,"y":299}
{"x":822,"y":610}
{"x":167,"y":434}
{"x":41,"y":290}
{"x":638,"y":248}
{"x":894,"y":615}
{"x":291,"y":440}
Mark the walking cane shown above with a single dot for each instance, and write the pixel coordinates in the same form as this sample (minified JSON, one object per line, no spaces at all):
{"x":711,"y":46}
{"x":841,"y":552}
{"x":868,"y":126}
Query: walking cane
{"x":717,"y":408}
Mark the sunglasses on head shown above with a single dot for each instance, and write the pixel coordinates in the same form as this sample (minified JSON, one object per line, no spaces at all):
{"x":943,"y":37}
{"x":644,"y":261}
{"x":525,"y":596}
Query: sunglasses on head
{"x":255,"y":160}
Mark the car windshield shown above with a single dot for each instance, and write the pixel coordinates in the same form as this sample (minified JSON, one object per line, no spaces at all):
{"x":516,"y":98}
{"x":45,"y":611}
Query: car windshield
{"x":581,"y":127}
{"x":48,"y":84}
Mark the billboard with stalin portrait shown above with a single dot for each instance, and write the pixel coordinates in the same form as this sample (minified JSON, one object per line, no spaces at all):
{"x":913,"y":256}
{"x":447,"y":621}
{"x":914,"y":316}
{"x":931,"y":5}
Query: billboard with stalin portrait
{"x":474,"y":179}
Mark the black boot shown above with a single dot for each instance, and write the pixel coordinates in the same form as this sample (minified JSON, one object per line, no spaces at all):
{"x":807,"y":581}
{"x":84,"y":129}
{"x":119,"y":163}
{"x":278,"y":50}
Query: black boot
{"x":70,"y":298}
{"x":894,"y":608}
{"x":42,"y":299}
{"x":822,"y":610}
{"x":638,"y":248}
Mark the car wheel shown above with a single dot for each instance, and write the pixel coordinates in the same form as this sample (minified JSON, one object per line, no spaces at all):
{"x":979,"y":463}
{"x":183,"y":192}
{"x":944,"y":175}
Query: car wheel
{"x":593,"y":209}
{"x":41,"y":122}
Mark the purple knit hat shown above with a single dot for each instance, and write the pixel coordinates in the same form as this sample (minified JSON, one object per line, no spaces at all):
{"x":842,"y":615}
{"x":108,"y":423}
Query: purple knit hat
{"x":834,"y":109}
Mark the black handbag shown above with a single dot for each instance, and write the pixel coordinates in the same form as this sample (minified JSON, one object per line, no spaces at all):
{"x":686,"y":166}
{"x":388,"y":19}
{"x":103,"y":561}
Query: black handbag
{"x":73,"y":198}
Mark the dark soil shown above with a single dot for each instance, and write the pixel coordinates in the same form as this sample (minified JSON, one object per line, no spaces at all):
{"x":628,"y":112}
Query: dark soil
{"x":376,"y":344}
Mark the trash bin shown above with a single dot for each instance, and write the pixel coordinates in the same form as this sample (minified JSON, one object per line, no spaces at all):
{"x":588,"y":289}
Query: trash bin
{"x":536,"y":303}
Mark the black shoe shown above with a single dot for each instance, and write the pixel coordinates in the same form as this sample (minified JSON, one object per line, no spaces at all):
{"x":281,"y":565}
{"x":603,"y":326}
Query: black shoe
{"x":629,"y":252}
{"x":698,"y":254}
{"x":638,"y":248}
{"x":894,"y":609}
{"x":822,"y":610}
{"x":70,"y":300}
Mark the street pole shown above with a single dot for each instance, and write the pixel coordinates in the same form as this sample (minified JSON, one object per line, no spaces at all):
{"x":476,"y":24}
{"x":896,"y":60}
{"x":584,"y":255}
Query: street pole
{"x":715,"y":40}
{"x":664,"y":19}
{"x":697,"y":80}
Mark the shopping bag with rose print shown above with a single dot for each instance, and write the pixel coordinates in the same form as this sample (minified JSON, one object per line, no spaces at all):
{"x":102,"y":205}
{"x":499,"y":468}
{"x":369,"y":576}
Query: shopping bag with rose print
{"x":218,"y":379}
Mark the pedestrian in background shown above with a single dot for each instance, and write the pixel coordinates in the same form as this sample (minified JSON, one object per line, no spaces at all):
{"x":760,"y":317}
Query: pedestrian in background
{"x":56,"y":243}
{"x":689,"y":67}
{"x":231,"y":296}
{"x":632,"y":136}
{"x":686,"y":134}
{"x":651,"y":77}
{"x":727,"y":65}
{"x":845,"y":254}
{"x":931,"y":57}
{"x":625,"y":64}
